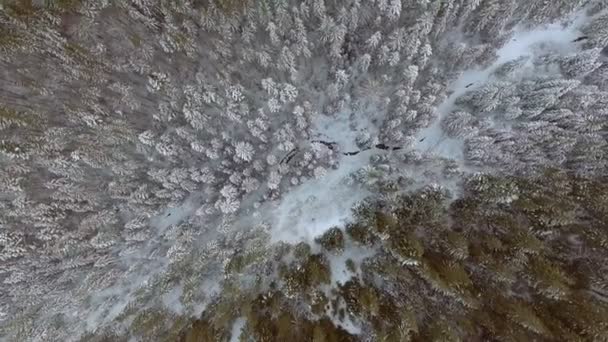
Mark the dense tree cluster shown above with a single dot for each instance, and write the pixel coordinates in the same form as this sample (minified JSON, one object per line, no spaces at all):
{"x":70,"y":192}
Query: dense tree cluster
{"x":511,"y":259}
{"x":144,"y":142}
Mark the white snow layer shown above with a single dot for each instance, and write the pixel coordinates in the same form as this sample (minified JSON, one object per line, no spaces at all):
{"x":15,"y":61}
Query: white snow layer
{"x":237,"y":329}
{"x":524,"y":43}
{"x":319,"y":204}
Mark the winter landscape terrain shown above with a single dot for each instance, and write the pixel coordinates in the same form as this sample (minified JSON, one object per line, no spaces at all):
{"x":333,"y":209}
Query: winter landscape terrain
{"x":303,"y":170}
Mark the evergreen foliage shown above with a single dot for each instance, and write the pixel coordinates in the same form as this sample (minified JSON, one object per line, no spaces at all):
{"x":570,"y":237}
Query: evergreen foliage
{"x":321,"y":170}
{"x":497,"y":278}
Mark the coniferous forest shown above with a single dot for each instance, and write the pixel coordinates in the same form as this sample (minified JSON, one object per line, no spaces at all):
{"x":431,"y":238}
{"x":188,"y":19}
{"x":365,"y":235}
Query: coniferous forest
{"x":303,"y":170}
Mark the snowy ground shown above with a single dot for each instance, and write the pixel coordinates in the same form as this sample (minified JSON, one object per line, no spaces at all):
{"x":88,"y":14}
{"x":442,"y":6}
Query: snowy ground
{"x":237,"y":328}
{"x":319,"y":204}
{"x":559,"y":36}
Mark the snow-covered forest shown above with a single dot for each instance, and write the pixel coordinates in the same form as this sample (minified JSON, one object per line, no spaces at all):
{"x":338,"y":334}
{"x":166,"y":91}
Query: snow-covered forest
{"x":306,"y":170}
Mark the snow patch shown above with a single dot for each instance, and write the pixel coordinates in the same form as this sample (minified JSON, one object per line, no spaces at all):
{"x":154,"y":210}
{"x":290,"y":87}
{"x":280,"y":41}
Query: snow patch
{"x":319,"y":204}
{"x":171,"y":300}
{"x":237,"y":329}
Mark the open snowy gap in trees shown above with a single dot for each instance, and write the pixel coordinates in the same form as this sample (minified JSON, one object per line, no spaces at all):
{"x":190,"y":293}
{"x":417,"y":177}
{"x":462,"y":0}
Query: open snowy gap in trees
{"x":524,"y":43}
{"x":325,"y":202}
{"x":344,"y":127}
{"x":237,"y":329}
{"x":319,"y":204}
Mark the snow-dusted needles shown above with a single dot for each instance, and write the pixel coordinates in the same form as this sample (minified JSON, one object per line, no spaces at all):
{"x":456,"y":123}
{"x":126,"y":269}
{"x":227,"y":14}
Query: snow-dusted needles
{"x":155,"y":154}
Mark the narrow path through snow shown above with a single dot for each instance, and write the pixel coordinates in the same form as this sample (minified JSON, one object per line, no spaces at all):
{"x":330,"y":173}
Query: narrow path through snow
{"x":560,"y":35}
